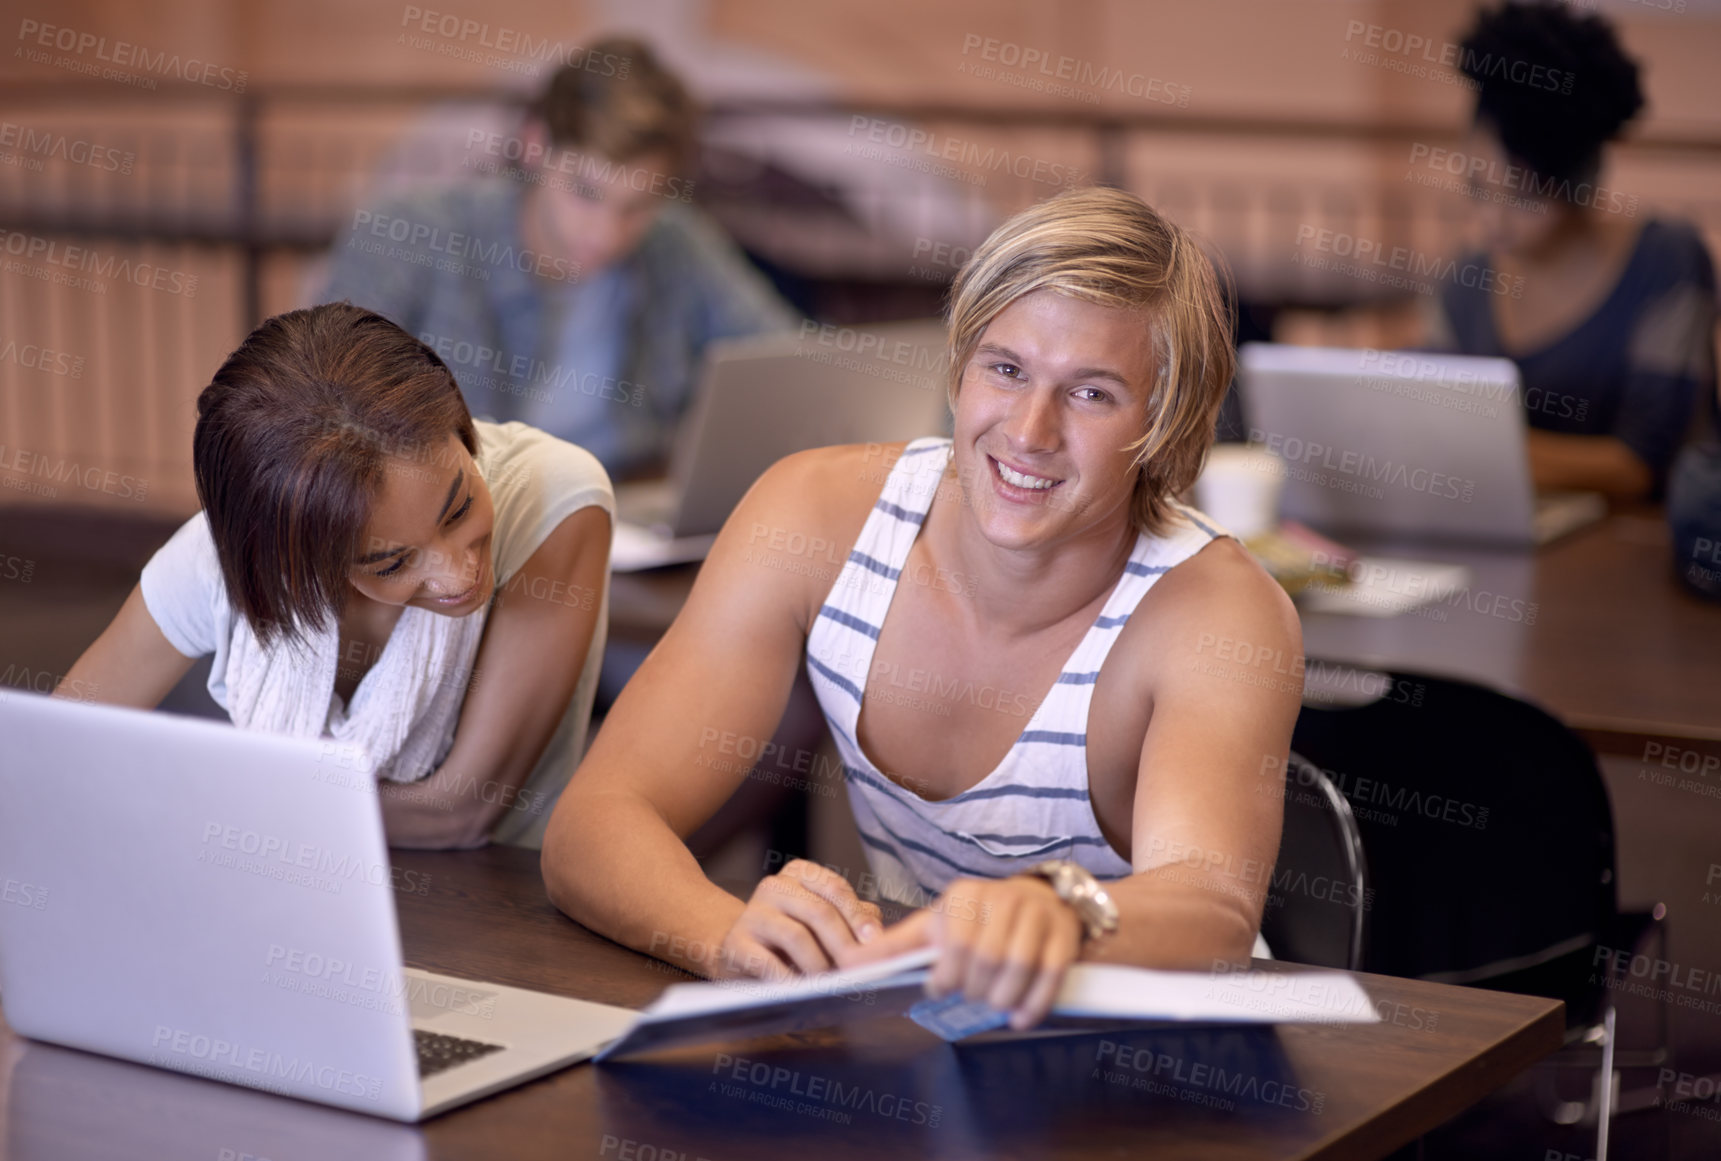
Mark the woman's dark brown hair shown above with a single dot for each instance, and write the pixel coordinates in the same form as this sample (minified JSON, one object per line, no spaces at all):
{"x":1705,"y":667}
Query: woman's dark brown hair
{"x":293,"y":436}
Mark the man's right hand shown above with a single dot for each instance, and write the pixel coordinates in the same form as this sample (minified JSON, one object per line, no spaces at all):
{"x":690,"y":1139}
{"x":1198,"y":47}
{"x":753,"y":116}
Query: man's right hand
{"x":804,"y":919}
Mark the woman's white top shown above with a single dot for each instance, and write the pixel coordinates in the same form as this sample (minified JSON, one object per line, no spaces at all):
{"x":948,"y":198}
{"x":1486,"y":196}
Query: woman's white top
{"x":536,"y":481}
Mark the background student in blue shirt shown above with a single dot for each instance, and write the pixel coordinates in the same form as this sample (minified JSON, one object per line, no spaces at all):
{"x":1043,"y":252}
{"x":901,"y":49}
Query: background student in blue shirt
{"x":577,"y":288}
{"x":1610,"y":317}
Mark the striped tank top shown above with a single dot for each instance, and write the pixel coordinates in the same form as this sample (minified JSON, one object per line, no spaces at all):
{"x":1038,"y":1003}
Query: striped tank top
{"x":1034,"y":805}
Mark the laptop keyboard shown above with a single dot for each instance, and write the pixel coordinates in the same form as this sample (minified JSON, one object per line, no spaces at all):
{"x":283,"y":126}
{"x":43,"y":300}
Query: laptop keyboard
{"x":439,"y":1053}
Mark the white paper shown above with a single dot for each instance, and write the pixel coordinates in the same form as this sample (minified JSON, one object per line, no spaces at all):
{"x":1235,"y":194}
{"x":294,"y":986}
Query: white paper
{"x":1108,"y":991}
{"x":743,"y":1009}
{"x":731,"y":1010}
{"x":1385,"y":587}
{"x":680,"y":1001}
{"x":634,"y":547}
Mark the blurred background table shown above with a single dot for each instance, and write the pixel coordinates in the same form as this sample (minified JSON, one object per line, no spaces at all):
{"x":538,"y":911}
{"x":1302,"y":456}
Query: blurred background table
{"x":1595,"y":628}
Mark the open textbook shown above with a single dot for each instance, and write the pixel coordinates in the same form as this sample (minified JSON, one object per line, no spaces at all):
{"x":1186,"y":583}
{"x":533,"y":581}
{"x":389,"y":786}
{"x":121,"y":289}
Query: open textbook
{"x":1104,"y":993}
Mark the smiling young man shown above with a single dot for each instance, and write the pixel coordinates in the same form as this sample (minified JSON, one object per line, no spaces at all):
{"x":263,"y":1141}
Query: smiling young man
{"x":1090,"y":348}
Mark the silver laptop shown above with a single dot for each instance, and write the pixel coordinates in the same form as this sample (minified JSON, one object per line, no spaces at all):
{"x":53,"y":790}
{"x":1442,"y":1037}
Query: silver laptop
{"x":768,"y":396}
{"x":1402,"y":445}
{"x":64,"y":1105}
{"x":219,"y":902}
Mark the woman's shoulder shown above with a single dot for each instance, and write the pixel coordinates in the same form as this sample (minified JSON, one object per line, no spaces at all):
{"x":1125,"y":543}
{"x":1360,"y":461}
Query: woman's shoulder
{"x":536,"y":481}
{"x":516,"y":457}
{"x":1466,"y":300}
{"x":1673,"y":251}
{"x":183,"y":588}
{"x":189,"y":551}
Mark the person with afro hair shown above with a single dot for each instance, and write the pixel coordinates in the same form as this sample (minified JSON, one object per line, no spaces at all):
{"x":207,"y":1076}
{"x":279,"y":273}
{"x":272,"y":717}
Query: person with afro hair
{"x":1610,"y":316}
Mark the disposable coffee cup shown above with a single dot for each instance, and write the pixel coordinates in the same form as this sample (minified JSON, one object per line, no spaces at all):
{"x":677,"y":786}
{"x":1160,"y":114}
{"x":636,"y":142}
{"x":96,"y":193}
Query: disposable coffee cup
{"x":1239,"y":487}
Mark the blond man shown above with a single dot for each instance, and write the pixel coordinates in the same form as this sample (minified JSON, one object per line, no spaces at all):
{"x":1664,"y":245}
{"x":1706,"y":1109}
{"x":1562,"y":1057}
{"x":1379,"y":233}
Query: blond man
{"x":1123,"y":819}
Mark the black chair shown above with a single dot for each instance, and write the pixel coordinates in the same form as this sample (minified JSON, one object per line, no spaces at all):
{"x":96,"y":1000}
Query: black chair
{"x":1490,"y":849}
{"x":1318,"y":902}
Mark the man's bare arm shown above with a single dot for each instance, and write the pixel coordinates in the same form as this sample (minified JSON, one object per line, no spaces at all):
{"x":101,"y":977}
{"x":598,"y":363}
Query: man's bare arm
{"x":1207,"y":807}
{"x":669,"y":755}
{"x":1226,"y":655}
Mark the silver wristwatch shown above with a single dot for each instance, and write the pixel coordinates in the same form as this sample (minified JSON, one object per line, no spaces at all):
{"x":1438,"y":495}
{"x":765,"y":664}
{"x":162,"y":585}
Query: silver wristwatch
{"x":1085,"y":895}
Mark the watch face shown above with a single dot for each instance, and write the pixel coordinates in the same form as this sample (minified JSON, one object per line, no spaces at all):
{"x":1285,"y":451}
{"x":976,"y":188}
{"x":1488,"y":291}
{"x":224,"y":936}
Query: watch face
{"x":1084,"y":894}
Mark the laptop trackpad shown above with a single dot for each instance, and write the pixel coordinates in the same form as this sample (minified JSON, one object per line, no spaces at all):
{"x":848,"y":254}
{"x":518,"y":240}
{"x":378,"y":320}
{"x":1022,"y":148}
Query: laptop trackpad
{"x":435,"y":997}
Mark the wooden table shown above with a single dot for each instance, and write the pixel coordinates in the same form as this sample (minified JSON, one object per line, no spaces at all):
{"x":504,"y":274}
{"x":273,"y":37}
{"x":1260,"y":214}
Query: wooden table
{"x":1327,"y":1091}
{"x":1594,"y":628}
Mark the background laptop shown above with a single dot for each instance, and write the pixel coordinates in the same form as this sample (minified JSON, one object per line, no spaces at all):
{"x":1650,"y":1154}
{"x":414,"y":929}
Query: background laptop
{"x":220,"y":902}
{"x":1402,"y":445}
{"x":767,"y":396}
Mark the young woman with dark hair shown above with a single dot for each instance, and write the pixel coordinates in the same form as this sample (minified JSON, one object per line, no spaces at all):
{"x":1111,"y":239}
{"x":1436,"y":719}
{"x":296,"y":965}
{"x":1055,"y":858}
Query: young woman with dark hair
{"x":372,"y":566}
{"x":1609,"y":316}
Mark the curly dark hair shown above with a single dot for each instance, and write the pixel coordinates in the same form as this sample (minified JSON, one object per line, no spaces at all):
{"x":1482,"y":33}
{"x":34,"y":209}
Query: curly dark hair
{"x":1554,"y":85}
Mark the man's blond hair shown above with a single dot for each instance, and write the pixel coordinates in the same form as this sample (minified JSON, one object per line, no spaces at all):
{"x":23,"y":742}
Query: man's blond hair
{"x":1109,"y":247}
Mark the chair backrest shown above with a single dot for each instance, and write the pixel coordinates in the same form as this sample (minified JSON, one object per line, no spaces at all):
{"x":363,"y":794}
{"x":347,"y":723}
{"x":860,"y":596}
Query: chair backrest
{"x":1488,"y":834}
{"x":1318,"y":903}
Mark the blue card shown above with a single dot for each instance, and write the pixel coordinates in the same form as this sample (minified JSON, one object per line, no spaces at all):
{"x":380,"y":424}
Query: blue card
{"x":954,"y":1018}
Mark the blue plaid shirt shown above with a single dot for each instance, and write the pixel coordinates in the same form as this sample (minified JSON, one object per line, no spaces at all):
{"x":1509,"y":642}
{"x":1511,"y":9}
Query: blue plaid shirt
{"x":604,"y":359}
